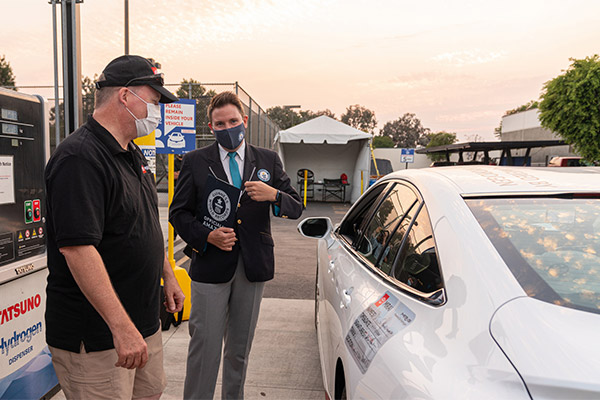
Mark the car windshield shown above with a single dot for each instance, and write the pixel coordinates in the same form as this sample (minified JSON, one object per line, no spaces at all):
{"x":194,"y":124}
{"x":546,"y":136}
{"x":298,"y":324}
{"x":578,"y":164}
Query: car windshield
{"x":551,"y":245}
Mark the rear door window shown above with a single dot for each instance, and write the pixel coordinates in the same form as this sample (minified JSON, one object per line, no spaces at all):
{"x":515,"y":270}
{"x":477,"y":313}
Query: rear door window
{"x":417,"y":263}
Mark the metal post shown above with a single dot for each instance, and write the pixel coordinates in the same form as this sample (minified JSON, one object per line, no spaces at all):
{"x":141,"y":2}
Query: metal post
{"x":258,"y":124}
{"x":236,"y":88}
{"x":306,"y":186}
{"x":171,"y":191}
{"x":126,"y":26}
{"x":56,"y":99}
{"x":71,"y":65}
{"x":65,"y":65}
{"x":189,"y":90}
{"x":362,"y":182}
{"x":249,"y":119}
{"x":77,"y":109}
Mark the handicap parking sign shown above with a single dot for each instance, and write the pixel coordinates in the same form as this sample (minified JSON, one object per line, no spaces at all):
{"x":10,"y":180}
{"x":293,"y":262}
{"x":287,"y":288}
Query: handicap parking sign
{"x":407,"y":155}
{"x":176,"y":133}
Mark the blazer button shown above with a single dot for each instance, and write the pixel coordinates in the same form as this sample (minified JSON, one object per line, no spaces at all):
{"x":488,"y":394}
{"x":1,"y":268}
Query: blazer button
{"x":239,"y":221}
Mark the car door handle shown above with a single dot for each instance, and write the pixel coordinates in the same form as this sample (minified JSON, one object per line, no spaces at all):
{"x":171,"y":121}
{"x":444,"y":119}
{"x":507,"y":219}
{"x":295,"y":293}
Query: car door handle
{"x":346,"y":297}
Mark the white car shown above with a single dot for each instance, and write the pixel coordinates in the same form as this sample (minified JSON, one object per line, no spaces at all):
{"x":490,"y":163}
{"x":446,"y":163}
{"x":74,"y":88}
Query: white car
{"x":469,"y":282}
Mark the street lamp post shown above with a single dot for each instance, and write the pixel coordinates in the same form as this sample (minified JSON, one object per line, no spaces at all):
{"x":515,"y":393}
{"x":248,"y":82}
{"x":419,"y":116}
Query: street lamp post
{"x":126,"y":21}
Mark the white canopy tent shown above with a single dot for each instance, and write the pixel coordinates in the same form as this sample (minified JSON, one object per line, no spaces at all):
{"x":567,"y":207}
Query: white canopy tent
{"x":329,"y":148}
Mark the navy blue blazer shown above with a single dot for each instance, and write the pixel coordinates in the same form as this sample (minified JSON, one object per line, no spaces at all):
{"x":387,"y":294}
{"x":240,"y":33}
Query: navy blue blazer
{"x":253,"y":225}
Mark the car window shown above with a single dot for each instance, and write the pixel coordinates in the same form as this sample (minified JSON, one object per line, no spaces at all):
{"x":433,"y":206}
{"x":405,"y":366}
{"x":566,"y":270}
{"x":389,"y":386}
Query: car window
{"x":384,"y":222}
{"x":395,"y":243}
{"x":353,"y":222}
{"x":551,"y":245}
{"x":417,"y":265}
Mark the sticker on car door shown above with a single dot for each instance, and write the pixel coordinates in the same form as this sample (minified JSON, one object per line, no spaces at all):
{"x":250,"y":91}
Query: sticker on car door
{"x":375,"y":326}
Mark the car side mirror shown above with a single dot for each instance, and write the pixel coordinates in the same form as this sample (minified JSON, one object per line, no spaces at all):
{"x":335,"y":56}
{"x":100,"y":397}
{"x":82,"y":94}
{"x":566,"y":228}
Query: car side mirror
{"x":315,"y":228}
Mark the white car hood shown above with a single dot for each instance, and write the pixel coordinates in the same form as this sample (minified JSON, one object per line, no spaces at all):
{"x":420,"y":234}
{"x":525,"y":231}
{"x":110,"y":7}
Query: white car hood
{"x":556,"y":350}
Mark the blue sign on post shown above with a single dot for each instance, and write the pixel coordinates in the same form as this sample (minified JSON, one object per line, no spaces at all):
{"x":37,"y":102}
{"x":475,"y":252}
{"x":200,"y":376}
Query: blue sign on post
{"x":176,"y":133}
{"x":407,"y":155}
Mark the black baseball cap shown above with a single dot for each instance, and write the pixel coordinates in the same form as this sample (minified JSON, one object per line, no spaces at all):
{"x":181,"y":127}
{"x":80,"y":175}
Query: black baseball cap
{"x":135,"y":71}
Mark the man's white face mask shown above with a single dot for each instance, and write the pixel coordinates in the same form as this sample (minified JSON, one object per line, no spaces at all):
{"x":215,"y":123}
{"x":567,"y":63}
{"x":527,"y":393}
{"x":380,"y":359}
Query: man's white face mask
{"x":145,"y":126}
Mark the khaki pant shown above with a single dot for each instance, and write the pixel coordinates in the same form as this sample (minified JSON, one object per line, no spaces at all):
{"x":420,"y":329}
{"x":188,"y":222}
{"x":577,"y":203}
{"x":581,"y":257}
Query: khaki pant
{"x":94,"y":375}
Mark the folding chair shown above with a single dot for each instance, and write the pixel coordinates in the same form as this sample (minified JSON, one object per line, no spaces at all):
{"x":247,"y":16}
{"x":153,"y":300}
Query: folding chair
{"x":333,"y":188}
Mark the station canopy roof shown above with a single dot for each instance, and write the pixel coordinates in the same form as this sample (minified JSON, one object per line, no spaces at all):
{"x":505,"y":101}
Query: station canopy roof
{"x":321,"y":130}
{"x":489,"y":146}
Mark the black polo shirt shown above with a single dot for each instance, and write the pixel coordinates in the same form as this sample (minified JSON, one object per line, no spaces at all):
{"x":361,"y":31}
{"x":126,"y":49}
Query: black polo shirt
{"x":101,"y":195}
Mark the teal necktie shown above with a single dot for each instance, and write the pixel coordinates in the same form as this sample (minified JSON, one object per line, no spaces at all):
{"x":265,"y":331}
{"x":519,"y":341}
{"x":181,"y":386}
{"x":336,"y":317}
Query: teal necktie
{"x":234,"y":170}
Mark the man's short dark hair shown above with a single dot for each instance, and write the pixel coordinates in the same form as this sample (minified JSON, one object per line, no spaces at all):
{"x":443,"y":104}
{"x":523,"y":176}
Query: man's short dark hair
{"x":103,"y":94}
{"x":221,"y":100}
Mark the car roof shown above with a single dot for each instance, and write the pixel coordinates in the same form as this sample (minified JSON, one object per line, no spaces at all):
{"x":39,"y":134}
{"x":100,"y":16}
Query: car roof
{"x":480,"y":180}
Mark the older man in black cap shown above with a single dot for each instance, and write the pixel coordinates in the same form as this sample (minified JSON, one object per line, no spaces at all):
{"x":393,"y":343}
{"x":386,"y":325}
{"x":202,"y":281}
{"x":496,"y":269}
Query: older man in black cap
{"x":105,"y":244}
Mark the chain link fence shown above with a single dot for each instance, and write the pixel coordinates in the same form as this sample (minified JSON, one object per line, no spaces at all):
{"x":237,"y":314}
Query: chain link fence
{"x":261,"y":130}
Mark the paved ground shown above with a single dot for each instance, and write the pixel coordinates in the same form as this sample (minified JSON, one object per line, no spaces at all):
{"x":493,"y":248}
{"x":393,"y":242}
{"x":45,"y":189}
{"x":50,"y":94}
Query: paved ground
{"x":296,"y":256}
{"x":284,"y":361}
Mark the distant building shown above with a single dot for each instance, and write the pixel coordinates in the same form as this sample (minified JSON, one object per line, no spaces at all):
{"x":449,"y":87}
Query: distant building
{"x":525,"y":126}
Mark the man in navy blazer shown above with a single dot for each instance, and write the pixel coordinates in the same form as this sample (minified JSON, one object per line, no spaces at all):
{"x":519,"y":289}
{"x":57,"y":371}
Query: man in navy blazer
{"x":230,"y":264}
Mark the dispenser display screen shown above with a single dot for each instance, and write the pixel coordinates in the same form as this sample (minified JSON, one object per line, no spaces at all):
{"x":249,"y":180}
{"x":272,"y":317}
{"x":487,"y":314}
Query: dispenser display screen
{"x":11,"y":129}
{"x":10,"y":114}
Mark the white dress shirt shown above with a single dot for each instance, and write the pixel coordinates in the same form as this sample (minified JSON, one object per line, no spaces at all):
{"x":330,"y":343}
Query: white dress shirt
{"x":239,"y":157}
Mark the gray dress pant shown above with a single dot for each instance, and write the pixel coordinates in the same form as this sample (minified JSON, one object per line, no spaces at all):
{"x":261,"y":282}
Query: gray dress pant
{"x":221,"y":312}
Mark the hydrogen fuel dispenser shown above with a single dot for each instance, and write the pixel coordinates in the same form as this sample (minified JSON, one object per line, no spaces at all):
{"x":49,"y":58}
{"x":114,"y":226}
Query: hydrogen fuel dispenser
{"x":25,"y":363}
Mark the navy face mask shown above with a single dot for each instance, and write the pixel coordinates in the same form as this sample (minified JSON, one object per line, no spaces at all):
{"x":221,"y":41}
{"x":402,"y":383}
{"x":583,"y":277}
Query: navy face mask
{"x":232,"y":137}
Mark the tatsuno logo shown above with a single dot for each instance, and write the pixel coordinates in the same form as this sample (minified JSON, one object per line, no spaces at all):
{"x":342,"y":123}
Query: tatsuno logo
{"x":218,"y":205}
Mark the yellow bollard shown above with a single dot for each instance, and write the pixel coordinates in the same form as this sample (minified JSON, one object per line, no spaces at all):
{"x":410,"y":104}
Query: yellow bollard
{"x":180,"y":274}
{"x":186,"y":286}
{"x":305,"y":185}
{"x":171,"y":189}
{"x":362,"y":182}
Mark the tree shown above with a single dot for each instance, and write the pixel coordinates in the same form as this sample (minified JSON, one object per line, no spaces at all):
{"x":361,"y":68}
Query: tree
{"x":440,"y":139}
{"x":308,"y":115}
{"x":360,"y":118}
{"x":382,"y":142}
{"x":283,"y":117}
{"x":7,"y":78}
{"x":525,"y":107}
{"x":88,"y":90}
{"x":192,"y":89}
{"x":406,"y":131}
{"x":570,"y":106}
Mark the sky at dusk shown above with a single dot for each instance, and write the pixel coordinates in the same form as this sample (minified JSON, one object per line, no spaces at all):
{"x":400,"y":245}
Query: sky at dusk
{"x":458,"y":65}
